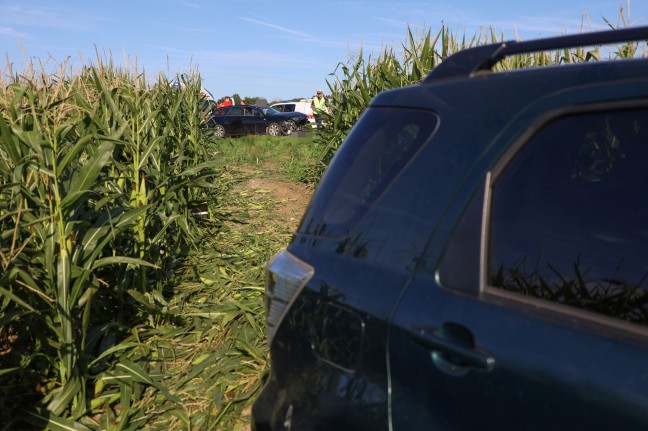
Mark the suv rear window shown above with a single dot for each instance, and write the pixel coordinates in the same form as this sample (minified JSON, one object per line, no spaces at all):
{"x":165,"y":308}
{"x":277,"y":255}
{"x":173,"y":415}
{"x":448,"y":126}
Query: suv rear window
{"x":376,"y":150}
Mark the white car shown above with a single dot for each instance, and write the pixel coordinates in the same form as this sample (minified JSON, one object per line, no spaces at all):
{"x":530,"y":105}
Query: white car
{"x":302,"y":105}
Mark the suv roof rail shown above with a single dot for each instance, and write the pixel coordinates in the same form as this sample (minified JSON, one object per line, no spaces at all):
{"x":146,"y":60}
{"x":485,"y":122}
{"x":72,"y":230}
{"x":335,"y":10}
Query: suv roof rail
{"x":483,"y":58}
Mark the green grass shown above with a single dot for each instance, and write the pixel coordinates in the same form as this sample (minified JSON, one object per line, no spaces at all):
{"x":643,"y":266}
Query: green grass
{"x":290,"y":155}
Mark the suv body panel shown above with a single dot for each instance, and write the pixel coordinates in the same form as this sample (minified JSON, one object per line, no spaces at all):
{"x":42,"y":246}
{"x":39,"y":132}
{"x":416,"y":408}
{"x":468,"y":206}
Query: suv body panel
{"x":410,"y":266}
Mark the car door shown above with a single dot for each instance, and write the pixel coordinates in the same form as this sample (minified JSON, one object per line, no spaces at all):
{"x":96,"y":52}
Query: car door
{"x":536,"y":315}
{"x":253,"y":121}
{"x":233,"y":121}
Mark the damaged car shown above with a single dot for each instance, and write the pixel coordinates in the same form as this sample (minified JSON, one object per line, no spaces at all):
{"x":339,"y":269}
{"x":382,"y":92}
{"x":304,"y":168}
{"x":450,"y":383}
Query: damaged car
{"x":239,"y":120}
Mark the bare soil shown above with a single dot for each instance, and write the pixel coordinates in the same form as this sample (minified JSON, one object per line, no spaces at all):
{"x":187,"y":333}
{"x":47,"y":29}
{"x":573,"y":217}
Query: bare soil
{"x":290,"y":198}
{"x":280,"y":203}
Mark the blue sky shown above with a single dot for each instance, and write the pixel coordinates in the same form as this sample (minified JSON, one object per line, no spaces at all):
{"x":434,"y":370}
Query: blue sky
{"x":278,"y":49}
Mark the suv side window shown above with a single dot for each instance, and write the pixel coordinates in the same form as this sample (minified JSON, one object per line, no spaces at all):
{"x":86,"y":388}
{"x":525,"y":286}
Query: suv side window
{"x":569,"y":216}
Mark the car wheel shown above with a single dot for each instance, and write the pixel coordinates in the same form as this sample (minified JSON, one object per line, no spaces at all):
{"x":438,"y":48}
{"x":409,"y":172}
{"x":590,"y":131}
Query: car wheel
{"x":219,"y":131}
{"x":273,"y":129}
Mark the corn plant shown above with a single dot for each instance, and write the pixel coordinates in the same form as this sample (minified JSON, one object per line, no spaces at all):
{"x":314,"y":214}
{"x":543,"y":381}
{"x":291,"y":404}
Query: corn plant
{"x":98,"y":175}
{"x":355,"y":82}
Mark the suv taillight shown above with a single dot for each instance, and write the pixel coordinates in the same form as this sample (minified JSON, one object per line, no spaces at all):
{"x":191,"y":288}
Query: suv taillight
{"x":286,"y":276}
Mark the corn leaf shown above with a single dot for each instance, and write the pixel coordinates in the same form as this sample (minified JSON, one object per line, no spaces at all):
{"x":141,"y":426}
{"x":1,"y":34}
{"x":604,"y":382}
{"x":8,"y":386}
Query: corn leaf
{"x":139,"y":375}
{"x":46,"y":420}
{"x":85,"y":179}
{"x":63,"y":397}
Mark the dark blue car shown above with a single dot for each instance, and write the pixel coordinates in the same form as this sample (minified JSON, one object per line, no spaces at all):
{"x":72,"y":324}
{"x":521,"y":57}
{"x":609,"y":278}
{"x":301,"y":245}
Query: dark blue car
{"x":475,"y":257}
{"x":241,"y":120}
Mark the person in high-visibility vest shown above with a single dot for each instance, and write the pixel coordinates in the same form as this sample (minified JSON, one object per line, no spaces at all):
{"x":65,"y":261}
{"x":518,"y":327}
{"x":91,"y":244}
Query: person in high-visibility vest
{"x":318,"y":105}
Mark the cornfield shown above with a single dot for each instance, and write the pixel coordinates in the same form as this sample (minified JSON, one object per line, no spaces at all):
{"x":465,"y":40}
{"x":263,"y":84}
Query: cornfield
{"x":99,"y":175}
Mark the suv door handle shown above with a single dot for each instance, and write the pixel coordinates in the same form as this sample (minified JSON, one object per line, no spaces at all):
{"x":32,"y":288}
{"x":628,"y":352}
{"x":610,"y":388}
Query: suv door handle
{"x":453,"y":349}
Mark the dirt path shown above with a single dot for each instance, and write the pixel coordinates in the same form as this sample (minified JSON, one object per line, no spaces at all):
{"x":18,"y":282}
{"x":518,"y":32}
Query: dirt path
{"x":277,"y":206}
{"x":290,"y":199}
{"x":278,"y":203}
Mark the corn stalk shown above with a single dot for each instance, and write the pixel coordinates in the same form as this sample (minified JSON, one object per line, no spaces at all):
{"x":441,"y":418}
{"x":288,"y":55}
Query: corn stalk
{"x":95,"y":183}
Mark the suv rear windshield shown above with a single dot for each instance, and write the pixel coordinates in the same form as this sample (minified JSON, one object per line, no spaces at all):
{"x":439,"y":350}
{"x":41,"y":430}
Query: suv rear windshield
{"x":376,"y":150}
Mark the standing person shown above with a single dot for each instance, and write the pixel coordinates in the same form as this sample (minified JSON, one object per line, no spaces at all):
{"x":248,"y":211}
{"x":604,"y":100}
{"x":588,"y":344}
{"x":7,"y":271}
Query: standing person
{"x":318,"y":105}
{"x":226,"y":102}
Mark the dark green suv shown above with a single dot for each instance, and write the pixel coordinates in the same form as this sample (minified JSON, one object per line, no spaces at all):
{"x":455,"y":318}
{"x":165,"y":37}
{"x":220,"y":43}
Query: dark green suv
{"x":475,"y":257}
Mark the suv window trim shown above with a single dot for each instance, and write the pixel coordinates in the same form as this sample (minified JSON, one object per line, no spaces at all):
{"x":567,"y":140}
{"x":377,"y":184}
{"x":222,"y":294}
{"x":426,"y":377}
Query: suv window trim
{"x":598,"y":324}
{"x":578,"y":319}
{"x":589,"y":321}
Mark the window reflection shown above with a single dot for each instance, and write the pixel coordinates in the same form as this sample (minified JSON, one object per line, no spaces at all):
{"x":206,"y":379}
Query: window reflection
{"x":569,"y":216}
{"x":376,"y":150}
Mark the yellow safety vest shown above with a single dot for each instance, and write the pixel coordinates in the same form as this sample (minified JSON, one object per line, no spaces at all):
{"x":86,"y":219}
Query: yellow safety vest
{"x":319,"y":105}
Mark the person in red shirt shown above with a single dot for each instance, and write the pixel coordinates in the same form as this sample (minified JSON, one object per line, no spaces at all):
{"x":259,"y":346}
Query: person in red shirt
{"x":226,"y":102}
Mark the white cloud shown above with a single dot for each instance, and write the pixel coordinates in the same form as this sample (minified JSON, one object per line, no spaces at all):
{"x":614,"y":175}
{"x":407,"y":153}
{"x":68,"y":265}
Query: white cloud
{"x":390,"y":21}
{"x":191,"y":5}
{"x":241,"y":59}
{"x":530,"y":27}
{"x":10,"y":32}
{"x":278,"y":27}
{"x":326,"y":41}
{"x":43,"y":17}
